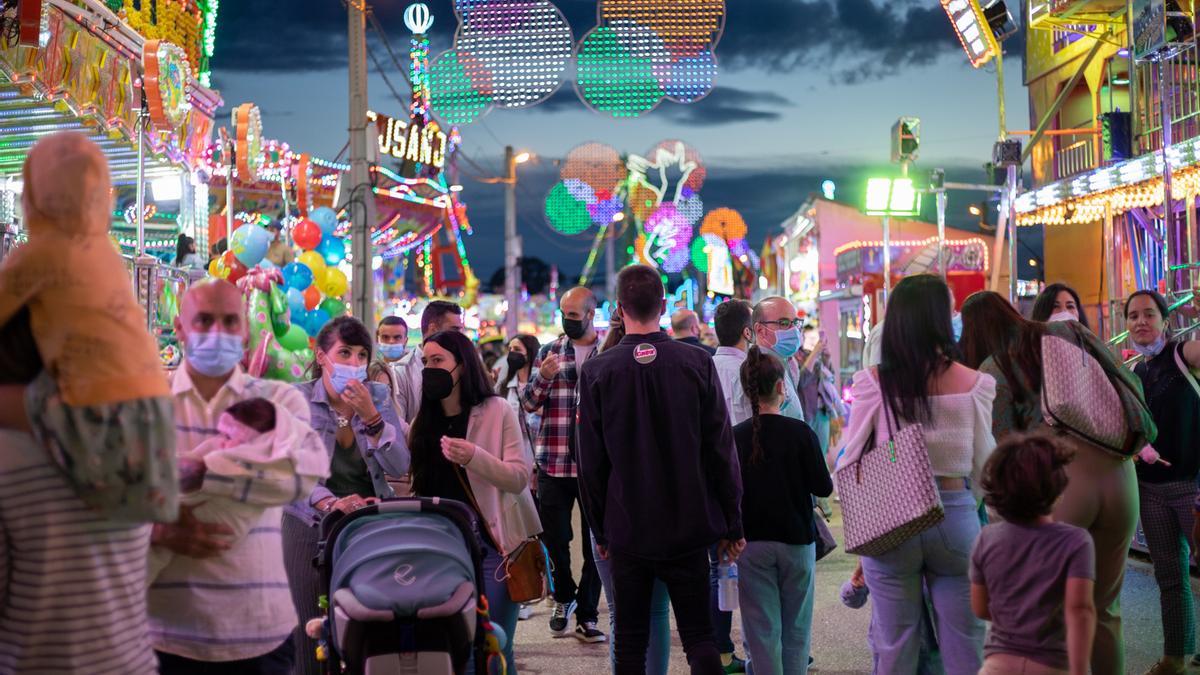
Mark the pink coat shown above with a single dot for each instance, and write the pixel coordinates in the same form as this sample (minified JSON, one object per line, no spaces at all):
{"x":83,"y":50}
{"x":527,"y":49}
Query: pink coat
{"x":499,"y":473}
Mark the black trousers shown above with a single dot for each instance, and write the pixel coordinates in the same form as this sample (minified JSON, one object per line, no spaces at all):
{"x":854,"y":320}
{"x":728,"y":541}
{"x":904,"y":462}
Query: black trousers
{"x":557,"y":498}
{"x":687,"y":580}
{"x":275,"y":662}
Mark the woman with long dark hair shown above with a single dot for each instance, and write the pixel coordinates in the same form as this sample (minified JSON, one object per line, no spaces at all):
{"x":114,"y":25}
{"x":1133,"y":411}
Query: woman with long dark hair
{"x":522,"y":350}
{"x":1101,"y":495}
{"x":783,"y":468}
{"x":919,"y":381}
{"x":989,"y":326}
{"x":467,"y":446}
{"x":356,"y":421}
{"x":1167,"y":481}
{"x":185,"y":253}
{"x":1059,"y":302}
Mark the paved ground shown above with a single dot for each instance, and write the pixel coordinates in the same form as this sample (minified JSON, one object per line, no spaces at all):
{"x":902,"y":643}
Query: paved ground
{"x":839,"y":633}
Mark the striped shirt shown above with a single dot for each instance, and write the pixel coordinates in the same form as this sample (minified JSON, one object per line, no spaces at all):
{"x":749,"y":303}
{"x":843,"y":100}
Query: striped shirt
{"x":72,"y":598}
{"x":236,"y":605}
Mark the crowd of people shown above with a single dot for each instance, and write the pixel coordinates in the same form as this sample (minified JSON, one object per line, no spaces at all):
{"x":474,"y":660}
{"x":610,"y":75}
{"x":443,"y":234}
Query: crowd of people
{"x":169,"y":524}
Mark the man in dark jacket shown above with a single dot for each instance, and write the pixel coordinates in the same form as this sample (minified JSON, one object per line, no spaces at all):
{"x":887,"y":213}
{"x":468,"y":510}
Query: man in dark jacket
{"x":659,"y":475}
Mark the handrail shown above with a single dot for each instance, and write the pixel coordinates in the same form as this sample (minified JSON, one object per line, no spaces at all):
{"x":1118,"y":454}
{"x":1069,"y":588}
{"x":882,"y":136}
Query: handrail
{"x":1118,"y":339}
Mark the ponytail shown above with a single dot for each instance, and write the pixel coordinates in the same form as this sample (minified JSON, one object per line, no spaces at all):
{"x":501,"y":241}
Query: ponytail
{"x":759,"y":374}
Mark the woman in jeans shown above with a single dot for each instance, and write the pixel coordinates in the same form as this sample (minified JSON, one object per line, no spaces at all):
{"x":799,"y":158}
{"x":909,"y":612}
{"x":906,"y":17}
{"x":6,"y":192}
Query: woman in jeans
{"x":783,"y":468}
{"x":467,"y":446}
{"x":1101,"y":495}
{"x":918,"y":381}
{"x":1167,"y":485}
{"x":358,"y":425}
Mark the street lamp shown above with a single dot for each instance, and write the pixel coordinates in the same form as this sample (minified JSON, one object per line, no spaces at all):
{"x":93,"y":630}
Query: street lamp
{"x":522,"y":158}
{"x":512,"y":243}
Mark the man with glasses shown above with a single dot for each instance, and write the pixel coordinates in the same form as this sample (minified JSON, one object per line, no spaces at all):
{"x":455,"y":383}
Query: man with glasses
{"x":777,"y":330}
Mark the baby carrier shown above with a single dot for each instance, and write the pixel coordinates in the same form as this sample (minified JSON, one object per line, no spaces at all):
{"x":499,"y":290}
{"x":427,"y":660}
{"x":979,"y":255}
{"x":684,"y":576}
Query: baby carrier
{"x":404,"y":591}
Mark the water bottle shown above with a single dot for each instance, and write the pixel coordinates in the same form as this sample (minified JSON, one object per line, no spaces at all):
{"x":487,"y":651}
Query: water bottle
{"x":727,"y":586}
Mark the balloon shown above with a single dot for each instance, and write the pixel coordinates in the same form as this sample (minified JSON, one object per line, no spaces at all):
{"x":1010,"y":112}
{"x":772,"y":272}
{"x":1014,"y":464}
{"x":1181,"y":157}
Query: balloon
{"x":316,"y":321}
{"x":216,"y":269}
{"x":334,"y":307}
{"x":294,"y":339}
{"x":315,"y":262}
{"x":297,"y":275}
{"x":249,"y":244}
{"x":266,"y":264}
{"x":325,"y":218}
{"x":236,"y":269}
{"x":306,"y":234}
{"x":312,"y":297}
{"x":334,"y":283}
{"x":295,"y":300}
{"x":279,"y":310}
{"x":332,"y":249}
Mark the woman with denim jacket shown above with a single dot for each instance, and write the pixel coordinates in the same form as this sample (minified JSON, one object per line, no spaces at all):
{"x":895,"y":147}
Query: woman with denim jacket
{"x":356,"y":421}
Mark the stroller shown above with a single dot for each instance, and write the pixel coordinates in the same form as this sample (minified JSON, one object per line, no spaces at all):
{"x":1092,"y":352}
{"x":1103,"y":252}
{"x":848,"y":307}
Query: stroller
{"x":404,"y":591}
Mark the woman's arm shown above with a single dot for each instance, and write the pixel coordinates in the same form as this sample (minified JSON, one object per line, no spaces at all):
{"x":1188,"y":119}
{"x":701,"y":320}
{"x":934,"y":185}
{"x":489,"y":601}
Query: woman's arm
{"x":979,"y":602}
{"x":1191,"y":353}
{"x":509,"y":469}
{"x":388,"y":446}
{"x":1080,"y":612}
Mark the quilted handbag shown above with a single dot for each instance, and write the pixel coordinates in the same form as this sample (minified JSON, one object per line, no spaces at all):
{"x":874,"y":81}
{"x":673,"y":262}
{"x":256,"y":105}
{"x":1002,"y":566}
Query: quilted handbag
{"x":889,"y":495}
{"x":1080,"y":398}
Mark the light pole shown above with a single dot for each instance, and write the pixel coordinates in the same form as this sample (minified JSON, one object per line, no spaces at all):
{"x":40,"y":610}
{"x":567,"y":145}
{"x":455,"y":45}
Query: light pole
{"x":512,"y":243}
{"x":362,"y":218}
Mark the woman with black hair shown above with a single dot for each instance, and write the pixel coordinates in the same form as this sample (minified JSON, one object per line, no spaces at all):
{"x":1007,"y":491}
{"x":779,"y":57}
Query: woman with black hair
{"x":1059,"y":302}
{"x":355,"y":419}
{"x":185,"y":253}
{"x":918,"y":381}
{"x":467,"y":446}
{"x":1167,"y":482}
{"x":1101,"y":496}
{"x":989,"y":326}
{"x":783,"y":468}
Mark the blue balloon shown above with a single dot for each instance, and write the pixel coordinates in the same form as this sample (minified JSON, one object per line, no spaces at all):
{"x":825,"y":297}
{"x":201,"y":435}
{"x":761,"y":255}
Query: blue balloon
{"x":316,"y":320}
{"x":325,"y":218}
{"x":295,"y":298}
{"x":297,"y":276}
{"x":332,"y":249}
{"x":249,"y":244}
{"x":266,"y":264}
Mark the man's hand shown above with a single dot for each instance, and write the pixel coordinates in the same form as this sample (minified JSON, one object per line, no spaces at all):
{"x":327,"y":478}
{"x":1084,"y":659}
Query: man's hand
{"x":858,"y":579}
{"x":190,"y":537}
{"x":550,"y":367}
{"x":345,"y":504}
{"x":730,"y":551}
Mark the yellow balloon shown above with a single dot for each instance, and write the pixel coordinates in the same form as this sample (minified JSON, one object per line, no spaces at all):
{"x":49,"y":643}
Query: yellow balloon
{"x":334,"y":283}
{"x":215,"y":269}
{"x":315,"y":262}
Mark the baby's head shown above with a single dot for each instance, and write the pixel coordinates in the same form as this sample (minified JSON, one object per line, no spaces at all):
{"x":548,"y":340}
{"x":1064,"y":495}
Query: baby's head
{"x":244,"y":421}
{"x":67,"y":187}
{"x":1025,"y":476}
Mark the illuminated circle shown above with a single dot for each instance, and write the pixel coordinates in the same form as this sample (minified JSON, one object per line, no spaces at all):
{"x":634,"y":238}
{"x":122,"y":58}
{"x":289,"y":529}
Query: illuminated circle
{"x":725,"y":223}
{"x":687,"y":27}
{"x":565,"y":213}
{"x":247,"y":120}
{"x":595,"y":164}
{"x":700,"y":254}
{"x":688,"y":78}
{"x":455,"y":98}
{"x":166,"y":83}
{"x":617,"y":70}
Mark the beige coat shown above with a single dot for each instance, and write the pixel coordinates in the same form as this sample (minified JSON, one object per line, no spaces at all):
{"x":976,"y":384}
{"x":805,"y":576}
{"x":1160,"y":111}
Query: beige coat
{"x":499,"y":473}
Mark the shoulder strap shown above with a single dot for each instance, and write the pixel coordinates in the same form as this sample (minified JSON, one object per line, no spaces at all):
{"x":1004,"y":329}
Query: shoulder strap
{"x":460,"y":474}
{"x":1183,"y":368}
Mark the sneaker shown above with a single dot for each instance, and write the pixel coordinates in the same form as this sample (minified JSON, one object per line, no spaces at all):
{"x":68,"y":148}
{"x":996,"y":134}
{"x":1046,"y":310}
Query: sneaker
{"x":736,"y":665}
{"x":1163,"y":667}
{"x":560,"y":625}
{"x":587,"y":632}
{"x":525,"y":612}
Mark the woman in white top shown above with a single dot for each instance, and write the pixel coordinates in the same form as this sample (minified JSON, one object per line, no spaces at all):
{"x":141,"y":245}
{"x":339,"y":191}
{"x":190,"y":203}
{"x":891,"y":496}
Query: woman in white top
{"x":511,"y":381}
{"x":918,"y":381}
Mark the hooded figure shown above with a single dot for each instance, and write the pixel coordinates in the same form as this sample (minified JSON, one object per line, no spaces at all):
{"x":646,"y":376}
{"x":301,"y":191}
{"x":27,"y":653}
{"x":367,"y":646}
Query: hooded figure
{"x":100,"y":360}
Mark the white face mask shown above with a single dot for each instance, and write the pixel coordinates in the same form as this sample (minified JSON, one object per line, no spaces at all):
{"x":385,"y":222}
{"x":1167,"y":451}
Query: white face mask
{"x":1062,"y":316}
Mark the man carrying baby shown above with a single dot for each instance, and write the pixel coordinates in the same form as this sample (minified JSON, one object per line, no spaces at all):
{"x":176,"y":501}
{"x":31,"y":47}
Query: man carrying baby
{"x":229,"y":609}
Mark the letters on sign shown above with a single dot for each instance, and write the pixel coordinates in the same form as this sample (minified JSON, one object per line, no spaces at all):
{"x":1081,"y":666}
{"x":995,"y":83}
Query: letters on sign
{"x":424,"y":143}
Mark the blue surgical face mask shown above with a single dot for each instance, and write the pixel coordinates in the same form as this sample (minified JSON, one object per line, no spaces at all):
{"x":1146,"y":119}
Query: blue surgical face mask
{"x":1153,"y":349}
{"x":956,"y":324}
{"x":787,"y":342}
{"x":342,"y":374}
{"x":214,"y":353}
{"x":393,"y":351}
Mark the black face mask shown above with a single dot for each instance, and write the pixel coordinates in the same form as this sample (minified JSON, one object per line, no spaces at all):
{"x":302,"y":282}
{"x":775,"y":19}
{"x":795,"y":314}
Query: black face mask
{"x":436,"y":383}
{"x":574,"y":328}
{"x":516,"y":361}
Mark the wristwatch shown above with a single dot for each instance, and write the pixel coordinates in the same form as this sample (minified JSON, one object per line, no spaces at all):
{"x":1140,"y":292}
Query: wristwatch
{"x":343,"y":422}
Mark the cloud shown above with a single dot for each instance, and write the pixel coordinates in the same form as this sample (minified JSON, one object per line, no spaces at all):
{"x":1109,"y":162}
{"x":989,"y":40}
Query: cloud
{"x":725,"y":105}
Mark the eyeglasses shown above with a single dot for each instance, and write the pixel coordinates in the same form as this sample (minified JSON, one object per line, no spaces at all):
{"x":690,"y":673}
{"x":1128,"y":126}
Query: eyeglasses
{"x":784,"y":324}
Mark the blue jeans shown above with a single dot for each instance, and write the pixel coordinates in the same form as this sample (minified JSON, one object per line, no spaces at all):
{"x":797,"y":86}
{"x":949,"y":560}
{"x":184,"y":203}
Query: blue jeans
{"x":939,"y":557}
{"x":501,"y":608}
{"x":658,"y":656}
{"x":776,"y":584}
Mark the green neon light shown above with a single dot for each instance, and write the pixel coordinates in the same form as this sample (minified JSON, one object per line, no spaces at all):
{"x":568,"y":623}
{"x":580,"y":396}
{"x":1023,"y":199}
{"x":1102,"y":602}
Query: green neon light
{"x":452,"y":93}
{"x":614,"y":79}
{"x":892,"y":197}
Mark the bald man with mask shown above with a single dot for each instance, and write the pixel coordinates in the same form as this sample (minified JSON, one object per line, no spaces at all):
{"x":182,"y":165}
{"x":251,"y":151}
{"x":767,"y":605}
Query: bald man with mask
{"x":230,"y":610}
{"x":685,"y":324}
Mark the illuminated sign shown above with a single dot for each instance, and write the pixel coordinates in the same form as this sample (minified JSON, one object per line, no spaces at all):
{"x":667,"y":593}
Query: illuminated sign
{"x":892,"y":197}
{"x":411,"y":141}
{"x":971,"y":26}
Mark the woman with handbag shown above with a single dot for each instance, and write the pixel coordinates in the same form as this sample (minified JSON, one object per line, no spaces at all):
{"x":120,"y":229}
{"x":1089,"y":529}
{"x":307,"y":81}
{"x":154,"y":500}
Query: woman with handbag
{"x":918,"y":391}
{"x":467,"y":445}
{"x":1167,"y":476}
{"x":1101,"y":495}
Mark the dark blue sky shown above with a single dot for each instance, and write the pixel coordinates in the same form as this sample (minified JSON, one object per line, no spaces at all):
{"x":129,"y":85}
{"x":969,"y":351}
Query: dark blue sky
{"x":807,"y":91}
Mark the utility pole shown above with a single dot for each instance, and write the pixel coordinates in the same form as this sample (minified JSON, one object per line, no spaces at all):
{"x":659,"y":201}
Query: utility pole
{"x":512,"y":247}
{"x":359,"y":198}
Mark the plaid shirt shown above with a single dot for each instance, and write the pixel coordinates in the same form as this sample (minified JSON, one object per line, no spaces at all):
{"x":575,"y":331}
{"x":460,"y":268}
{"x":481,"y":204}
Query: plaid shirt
{"x":556,"y":401}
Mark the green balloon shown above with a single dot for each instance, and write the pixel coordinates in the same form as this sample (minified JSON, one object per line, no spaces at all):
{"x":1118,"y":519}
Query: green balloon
{"x":333,"y":307}
{"x":279,"y":303}
{"x":294,"y":339}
